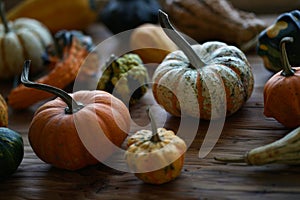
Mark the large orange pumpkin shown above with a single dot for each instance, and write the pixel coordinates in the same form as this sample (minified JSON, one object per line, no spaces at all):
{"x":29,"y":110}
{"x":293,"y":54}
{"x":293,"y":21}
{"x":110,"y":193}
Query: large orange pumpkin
{"x":282,"y":92}
{"x":76,"y":130}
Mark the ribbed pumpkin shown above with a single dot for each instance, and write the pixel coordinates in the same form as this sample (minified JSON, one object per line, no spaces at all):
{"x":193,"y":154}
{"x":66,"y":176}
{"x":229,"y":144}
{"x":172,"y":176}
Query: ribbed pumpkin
{"x":3,"y":112}
{"x":200,"y":76}
{"x":282,"y":92}
{"x":21,"y":39}
{"x":65,"y":131}
{"x":155,"y":156}
{"x":11,"y":151}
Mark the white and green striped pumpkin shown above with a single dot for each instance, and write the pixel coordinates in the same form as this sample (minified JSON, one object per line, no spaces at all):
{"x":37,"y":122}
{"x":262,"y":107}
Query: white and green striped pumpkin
{"x":191,"y":81}
{"x":20,"y":40}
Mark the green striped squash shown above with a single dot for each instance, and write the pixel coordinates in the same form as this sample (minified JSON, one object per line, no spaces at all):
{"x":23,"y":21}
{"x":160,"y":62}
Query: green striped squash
{"x":11,"y":151}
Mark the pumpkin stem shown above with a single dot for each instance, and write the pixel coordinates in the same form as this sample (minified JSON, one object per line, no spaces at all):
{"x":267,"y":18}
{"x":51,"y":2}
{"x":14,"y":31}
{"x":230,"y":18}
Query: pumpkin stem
{"x":287,"y":69}
{"x":170,"y":31}
{"x":73,"y":106}
{"x":3,"y":17}
{"x":155,"y":137}
{"x":240,"y":159}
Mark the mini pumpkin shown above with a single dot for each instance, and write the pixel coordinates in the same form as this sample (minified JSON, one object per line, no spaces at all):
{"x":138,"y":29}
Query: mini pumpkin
{"x":286,"y":25}
{"x":21,"y":39}
{"x":65,"y":131}
{"x":11,"y":151}
{"x":155,"y":156}
{"x":201,"y":78}
{"x":282,"y":92}
{"x":3,"y":112}
{"x":125,"y":77}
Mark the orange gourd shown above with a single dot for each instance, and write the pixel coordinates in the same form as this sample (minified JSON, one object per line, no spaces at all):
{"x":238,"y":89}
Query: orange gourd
{"x":64,"y":131}
{"x":282,"y":92}
{"x":3,"y":112}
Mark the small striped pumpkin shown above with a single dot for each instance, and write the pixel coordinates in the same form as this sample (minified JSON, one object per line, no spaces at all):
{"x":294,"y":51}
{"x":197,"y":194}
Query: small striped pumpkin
{"x":191,"y":81}
{"x":20,"y":40}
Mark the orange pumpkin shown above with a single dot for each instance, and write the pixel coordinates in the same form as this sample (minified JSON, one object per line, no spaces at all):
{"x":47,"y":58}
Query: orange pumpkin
{"x":282,"y":92}
{"x":65,"y":131}
{"x":3,"y":112}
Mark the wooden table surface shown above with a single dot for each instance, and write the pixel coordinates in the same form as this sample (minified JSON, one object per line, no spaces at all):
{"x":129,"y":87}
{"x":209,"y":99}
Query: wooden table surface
{"x":200,"y":178}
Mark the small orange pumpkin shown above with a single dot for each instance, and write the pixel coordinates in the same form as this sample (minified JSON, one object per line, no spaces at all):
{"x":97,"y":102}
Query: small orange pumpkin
{"x":282,"y":92}
{"x":65,"y":131}
{"x":3,"y":112}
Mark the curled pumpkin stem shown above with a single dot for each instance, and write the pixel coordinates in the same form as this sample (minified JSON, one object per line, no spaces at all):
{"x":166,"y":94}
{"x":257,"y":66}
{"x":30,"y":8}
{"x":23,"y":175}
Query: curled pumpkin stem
{"x":287,"y":69}
{"x":73,"y":106}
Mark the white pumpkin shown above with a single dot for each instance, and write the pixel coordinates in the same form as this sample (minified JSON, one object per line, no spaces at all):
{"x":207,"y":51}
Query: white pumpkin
{"x":201,"y":78}
{"x":21,"y":40}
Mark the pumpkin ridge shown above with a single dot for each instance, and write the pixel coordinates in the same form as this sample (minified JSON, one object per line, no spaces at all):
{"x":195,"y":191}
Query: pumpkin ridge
{"x":24,"y":50}
{"x":234,"y":89}
{"x":35,"y":139}
{"x":4,"y":58}
{"x":81,"y":156}
{"x":170,"y":90}
{"x":199,"y":93}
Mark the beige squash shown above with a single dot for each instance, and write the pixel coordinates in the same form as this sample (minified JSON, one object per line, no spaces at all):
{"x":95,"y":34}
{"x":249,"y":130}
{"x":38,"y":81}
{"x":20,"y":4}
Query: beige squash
{"x":21,"y":39}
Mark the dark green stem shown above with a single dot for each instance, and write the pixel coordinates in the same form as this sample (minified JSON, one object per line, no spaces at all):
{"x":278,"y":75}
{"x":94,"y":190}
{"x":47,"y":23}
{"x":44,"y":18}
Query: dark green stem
{"x":73,"y":106}
{"x":3,"y":17}
{"x":155,"y":137}
{"x":170,"y":31}
{"x":287,"y":69}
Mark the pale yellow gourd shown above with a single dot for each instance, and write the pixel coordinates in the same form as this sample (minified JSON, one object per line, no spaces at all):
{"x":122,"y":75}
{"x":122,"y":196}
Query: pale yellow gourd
{"x":151,"y":43}
{"x":155,"y":156}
